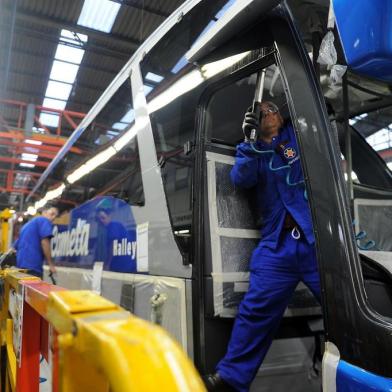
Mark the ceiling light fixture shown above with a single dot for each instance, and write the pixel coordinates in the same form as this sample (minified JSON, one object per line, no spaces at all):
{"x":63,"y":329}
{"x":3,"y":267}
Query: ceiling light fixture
{"x":99,"y":14}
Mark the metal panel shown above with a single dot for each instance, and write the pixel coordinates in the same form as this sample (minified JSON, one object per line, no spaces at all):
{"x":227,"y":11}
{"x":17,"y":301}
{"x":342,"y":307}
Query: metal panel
{"x":164,"y":255}
{"x":174,"y":309}
{"x":189,"y":316}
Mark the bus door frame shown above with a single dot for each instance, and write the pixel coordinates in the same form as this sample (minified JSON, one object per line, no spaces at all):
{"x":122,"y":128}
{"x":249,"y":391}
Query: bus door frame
{"x":361,"y":336}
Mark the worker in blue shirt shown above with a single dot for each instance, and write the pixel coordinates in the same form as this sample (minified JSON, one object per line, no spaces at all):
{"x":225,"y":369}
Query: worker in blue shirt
{"x":285,"y":255}
{"x":33,"y":244}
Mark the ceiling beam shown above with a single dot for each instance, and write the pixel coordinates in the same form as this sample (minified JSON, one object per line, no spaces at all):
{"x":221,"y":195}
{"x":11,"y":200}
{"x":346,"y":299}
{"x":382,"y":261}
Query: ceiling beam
{"x":16,"y":190}
{"x":100,"y":49}
{"x":10,"y":44}
{"x":48,"y":139}
{"x":41,"y":96}
{"x":46,"y":155}
{"x":375,"y":121}
{"x":136,"y":4}
{"x":44,"y":78}
{"x":82,"y":65}
{"x":58,"y":23}
{"x":24,"y":173}
{"x":365,"y":107}
{"x":17,"y":160}
{"x":32,"y":147}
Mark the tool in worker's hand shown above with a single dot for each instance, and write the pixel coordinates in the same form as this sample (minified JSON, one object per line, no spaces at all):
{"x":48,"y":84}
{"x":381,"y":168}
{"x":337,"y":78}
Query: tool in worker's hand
{"x":250,"y":125}
{"x":5,"y":255}
{"x":52,"y":277}
{"x":257,"y":101}
{"x":252,"y":117}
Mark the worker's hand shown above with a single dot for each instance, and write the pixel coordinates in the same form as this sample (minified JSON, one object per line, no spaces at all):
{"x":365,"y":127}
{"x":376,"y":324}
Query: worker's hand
{"x":52,"y":269}
{"x":250,"y":126}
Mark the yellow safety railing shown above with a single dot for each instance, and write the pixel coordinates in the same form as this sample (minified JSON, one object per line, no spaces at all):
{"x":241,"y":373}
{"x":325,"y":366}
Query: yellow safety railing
{"x":5,"y":215}
{"x":95,"y":345}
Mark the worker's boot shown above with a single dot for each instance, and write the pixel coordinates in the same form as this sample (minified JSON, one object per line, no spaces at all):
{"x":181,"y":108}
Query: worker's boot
{"x":215,"y":383}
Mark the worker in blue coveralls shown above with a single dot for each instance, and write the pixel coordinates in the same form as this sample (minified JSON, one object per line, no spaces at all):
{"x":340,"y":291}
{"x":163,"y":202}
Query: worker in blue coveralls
{"x":286,"y":253}
{"x":33,"y":245}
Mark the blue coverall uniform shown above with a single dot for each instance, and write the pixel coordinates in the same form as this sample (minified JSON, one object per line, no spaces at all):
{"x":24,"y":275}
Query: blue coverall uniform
{"x":279,"y":262}
{"x":29,"y":253}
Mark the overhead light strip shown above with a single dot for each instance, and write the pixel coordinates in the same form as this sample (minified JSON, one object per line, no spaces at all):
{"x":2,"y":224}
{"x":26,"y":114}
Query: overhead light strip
{"x":50,"y":195}
{"x":152,"y":77}
{"x":69,"y":54}
{"x":91,"y":164}
{"x":63,"y":72}
{"x":192,"y":80}
{"x":28,"y":165}
{"x":31,"y":141}
{"x":54,"y":103}
{"x":65,"y":68}
{"x":29,"y":157}
{"x":99,"y":14}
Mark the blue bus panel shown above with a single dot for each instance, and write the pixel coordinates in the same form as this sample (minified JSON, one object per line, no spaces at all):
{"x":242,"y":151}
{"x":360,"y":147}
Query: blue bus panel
{"x":350,"y":378}
{"x":365,"y":28}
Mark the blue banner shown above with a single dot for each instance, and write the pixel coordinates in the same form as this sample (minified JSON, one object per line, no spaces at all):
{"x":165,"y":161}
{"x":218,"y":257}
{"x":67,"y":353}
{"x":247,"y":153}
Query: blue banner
{"x":102,"y":229}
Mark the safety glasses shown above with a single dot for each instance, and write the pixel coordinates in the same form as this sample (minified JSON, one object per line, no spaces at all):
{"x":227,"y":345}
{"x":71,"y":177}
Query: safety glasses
{"x":270,"y":109}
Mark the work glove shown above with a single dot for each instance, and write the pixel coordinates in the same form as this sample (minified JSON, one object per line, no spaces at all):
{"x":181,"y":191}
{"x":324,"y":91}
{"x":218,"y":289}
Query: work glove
{"x":250,"y":126}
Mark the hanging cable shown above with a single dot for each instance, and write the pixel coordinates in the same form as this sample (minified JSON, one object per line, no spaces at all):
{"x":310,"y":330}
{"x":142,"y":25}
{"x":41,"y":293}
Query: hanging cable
{"x":288,"y":167}
{"x":369,"y":245}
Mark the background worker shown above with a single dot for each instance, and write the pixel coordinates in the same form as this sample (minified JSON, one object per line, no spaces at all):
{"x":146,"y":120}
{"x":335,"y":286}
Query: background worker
{"x":286,"y":253}
{"x":33,"y":245}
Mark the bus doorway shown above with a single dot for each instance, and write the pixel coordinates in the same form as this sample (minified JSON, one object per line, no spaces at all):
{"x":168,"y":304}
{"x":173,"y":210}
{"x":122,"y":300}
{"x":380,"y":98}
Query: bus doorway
{"x":232,"y":223}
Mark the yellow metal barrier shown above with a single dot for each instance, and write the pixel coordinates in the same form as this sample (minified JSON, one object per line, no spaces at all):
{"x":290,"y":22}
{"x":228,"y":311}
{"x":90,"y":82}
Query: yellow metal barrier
{"x":9,"y":282}
{"x":11,"y":359}
{"x":5,"y":215}
{"x":95,"y":346}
